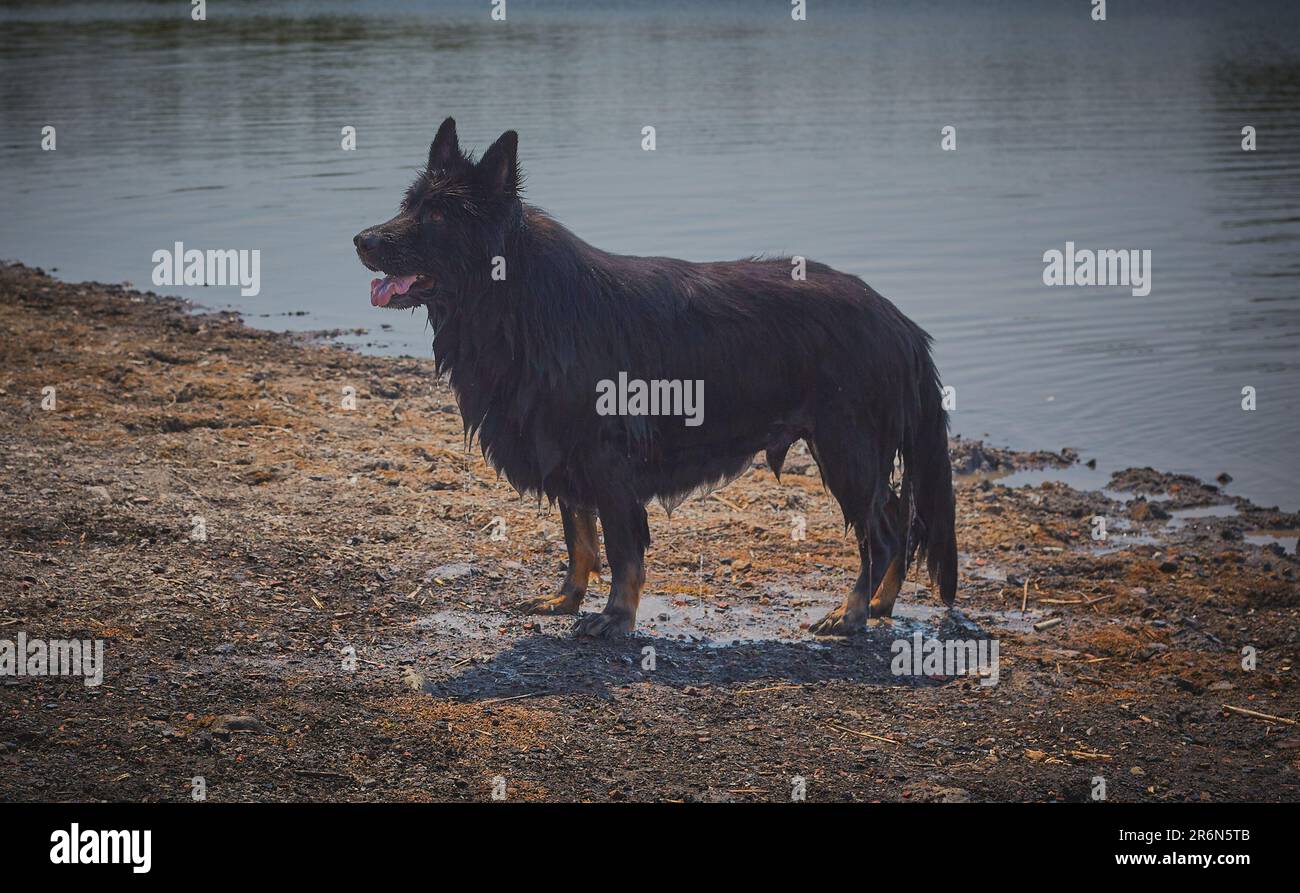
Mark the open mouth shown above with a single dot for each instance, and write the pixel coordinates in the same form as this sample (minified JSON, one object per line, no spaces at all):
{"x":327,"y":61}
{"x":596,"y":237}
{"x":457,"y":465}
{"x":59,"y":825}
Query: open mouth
{"x":389,"y":291}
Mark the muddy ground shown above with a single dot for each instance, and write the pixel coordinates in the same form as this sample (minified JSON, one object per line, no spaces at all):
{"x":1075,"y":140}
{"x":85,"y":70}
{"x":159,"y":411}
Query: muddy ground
{"x":374,"y":531}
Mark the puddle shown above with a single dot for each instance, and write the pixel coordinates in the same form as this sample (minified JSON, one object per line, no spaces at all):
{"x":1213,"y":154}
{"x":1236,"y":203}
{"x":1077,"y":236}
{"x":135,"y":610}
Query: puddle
{"x":741,"y":620}
{"x":1284,"y":538}
{"x":927,"y":618}
{"x":726,"y":621}
{"x":787,"y":613}
{"x":1180,"y":517}
{"x":721,"y":640}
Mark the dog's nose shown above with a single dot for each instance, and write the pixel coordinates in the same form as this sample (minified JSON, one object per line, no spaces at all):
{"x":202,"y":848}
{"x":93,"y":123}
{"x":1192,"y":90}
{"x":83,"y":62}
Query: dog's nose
{"x":366,"y":242}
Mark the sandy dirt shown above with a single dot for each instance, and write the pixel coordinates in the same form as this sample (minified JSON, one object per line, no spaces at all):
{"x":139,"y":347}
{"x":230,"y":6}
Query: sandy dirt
{"x":329,"y":532}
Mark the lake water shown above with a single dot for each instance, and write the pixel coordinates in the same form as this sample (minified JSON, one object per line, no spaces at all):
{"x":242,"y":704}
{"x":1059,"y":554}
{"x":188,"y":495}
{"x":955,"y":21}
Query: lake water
{"x":819,"y":138}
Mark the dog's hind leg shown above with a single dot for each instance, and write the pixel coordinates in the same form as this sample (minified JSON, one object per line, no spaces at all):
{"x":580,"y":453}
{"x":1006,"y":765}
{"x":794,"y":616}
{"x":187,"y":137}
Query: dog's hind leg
{"x":886,"y":591}
{"x":584,"y":560}
{"x":844,"y":455}
{"x":627,"y":533}
{"x":881,"y":574}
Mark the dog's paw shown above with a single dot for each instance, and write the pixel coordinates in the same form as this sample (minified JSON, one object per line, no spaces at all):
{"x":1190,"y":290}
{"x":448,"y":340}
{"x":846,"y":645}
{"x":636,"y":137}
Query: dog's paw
{"x":551,"y":604}
{"x":838,"y":623}
{"x":604,"y":626}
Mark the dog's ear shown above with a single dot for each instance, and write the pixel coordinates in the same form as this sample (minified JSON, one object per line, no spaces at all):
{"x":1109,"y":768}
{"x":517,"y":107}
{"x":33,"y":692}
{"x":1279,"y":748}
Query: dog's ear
{"x":445,"y":148}
{"x":498,"y":172}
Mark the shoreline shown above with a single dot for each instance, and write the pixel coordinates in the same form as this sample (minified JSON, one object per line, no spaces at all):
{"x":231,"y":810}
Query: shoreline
{"x":370,"y":529}
{"x":370,"y":341}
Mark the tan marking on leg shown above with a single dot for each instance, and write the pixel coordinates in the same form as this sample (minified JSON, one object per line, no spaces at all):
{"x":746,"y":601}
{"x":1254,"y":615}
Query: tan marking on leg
{"x":882,"y":603}
{"x":584,"y":560}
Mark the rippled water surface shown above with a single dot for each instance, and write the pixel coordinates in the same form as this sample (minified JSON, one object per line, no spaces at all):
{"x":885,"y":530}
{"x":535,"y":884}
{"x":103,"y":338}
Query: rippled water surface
{"x":817,"y":138}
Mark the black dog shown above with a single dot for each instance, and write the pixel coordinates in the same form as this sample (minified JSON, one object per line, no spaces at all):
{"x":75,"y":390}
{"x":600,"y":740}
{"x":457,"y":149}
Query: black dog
{"x":533,"y":326}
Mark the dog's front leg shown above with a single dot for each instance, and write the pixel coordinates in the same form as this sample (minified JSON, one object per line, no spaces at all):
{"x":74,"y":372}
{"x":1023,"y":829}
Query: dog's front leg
{"x":584,"y":560}
{"x":627,"y":533}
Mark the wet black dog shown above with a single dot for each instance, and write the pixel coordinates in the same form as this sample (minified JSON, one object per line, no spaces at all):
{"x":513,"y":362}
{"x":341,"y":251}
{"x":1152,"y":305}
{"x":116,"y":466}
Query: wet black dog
{"x":583,"y":375}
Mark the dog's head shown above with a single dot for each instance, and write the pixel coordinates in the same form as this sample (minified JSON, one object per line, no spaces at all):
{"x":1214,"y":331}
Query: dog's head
{"x":453,"y":221}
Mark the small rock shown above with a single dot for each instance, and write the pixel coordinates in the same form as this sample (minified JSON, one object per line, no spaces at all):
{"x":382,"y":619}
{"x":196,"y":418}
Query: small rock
{"x":1141,"y":510}
{"x":237,"y":723}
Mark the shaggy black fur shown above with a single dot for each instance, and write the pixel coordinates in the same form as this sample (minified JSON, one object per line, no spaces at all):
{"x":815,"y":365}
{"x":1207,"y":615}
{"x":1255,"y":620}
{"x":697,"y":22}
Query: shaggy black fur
{"x":825,"y":359}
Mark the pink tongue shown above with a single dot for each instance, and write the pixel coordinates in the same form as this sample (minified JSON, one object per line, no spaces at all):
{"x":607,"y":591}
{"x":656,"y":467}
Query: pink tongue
{"x":382,"y":290}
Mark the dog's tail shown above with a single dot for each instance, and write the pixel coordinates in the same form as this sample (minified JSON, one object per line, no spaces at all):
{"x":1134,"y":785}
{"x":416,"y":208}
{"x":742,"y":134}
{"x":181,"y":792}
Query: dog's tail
{"x":927,"y":481}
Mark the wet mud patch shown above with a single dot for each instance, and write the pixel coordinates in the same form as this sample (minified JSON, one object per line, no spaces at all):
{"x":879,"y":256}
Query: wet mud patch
{"x":686,"y":643}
